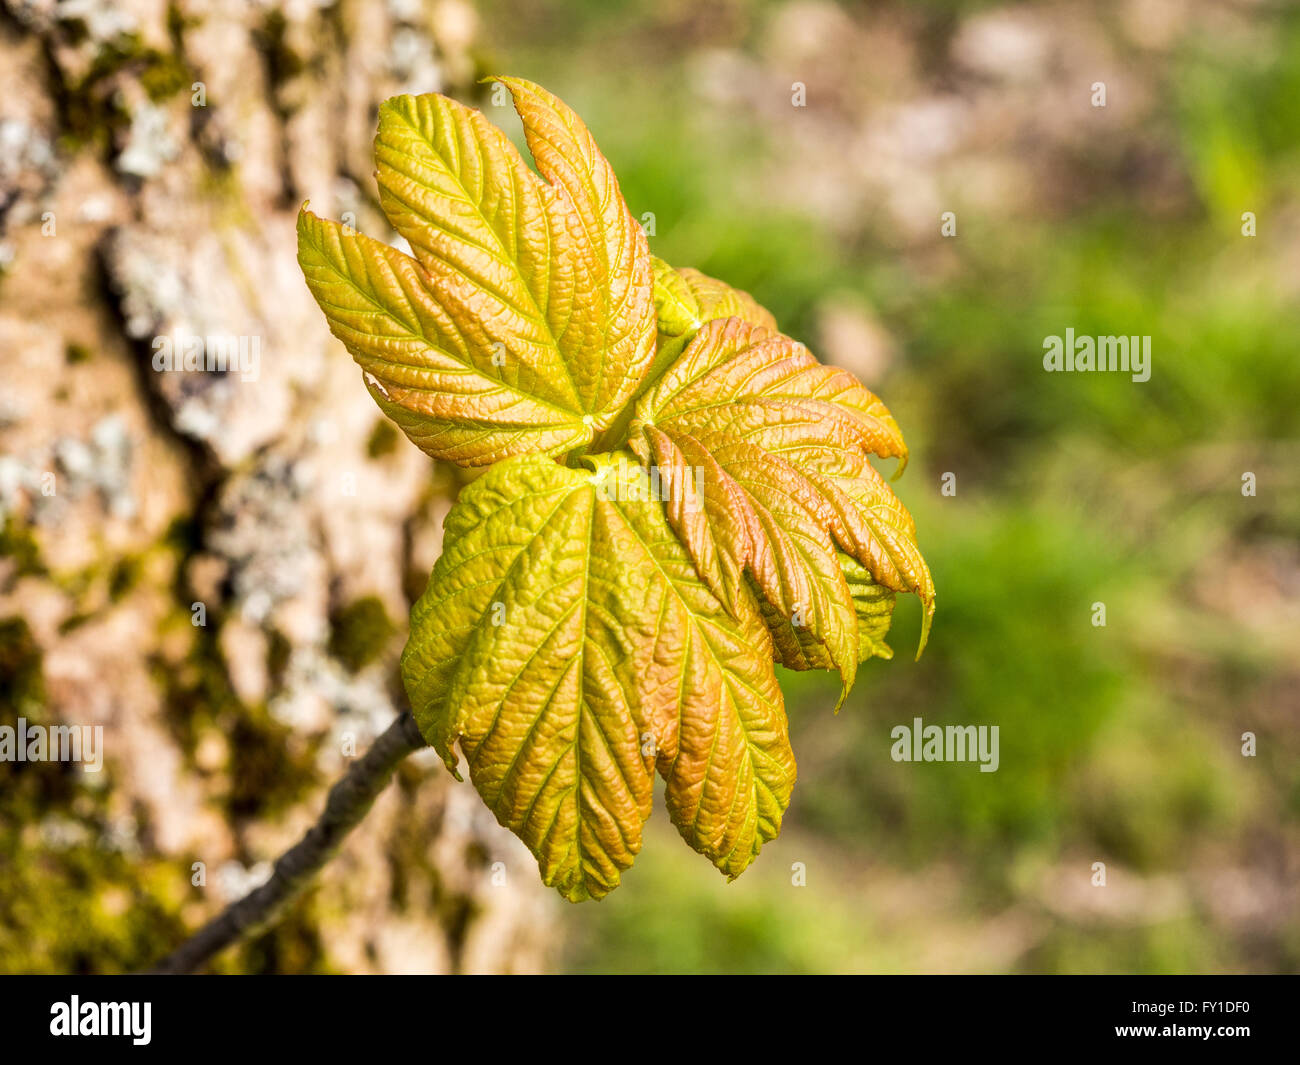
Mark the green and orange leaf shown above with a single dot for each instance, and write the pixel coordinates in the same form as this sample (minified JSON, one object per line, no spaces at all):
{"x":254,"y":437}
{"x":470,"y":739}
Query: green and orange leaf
{"x":525,"y":320}
{"x":785,"y":440}
{"x":567,"y":643}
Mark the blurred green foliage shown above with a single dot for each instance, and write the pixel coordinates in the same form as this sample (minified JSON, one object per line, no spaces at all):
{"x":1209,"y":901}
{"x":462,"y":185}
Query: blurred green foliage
{"x":1119,"y":743}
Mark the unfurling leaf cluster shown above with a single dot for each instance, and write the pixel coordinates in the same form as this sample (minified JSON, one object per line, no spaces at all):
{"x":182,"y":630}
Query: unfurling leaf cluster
{"x":676,"y":497}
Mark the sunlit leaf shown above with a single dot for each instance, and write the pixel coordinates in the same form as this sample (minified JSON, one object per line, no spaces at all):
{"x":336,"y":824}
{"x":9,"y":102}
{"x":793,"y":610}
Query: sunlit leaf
{"x":781,"y":443}
{"x":526,"y":319}
{"x":566,"y":641}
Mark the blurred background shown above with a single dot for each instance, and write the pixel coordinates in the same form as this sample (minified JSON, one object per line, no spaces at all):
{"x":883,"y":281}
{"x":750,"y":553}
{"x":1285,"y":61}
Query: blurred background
{"x":133,"y":205}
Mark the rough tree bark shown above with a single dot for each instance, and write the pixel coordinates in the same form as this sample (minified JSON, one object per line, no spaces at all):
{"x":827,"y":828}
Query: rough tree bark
{"x":215,"y":567}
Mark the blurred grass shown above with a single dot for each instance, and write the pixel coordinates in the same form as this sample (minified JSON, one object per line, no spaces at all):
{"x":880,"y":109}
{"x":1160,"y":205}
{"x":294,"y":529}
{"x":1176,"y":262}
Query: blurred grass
{"x":1118,"y":744}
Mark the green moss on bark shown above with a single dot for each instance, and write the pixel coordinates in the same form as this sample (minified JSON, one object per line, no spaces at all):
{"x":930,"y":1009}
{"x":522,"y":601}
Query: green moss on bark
{"x":360,"y":632}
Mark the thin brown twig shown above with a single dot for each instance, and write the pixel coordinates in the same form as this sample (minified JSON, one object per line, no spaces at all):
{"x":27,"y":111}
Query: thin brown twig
{"x":347,"y":803}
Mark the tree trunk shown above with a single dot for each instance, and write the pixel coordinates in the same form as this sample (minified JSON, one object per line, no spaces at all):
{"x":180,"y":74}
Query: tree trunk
{"x":214,"y":565}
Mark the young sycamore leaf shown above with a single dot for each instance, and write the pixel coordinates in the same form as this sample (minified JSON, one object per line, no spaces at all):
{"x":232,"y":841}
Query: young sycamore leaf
{"x":570,"y":646}
{"x":526,"y":318}
{"x":677,"y":496}
{"x":784,"y":442}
